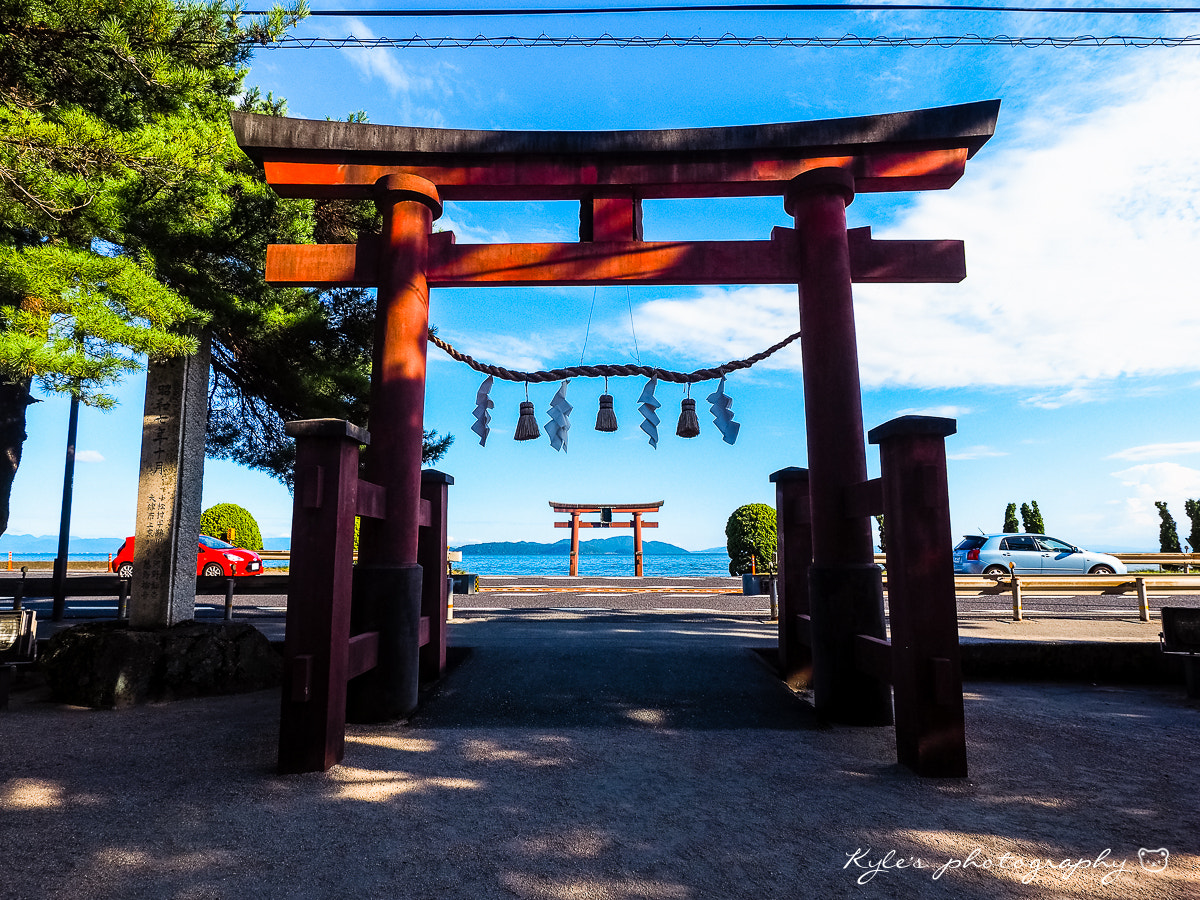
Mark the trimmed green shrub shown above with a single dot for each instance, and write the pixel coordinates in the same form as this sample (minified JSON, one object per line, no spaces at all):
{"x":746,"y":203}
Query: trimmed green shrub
{"x":217,"y":520}
{"x":750,"y":531}
{"x":1011,"y":526}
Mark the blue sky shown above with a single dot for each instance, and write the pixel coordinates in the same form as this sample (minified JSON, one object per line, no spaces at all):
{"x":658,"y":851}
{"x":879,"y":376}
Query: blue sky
{"x":1069,"y":356}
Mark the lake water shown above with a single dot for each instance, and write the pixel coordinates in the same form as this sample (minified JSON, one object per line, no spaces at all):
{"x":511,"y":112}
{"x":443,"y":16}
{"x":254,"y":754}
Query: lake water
{"x":558,"y":564}
{"x":597,"y":566}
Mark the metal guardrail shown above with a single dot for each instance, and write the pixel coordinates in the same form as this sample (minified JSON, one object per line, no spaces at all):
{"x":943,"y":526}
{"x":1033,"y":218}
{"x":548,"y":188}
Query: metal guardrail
{"x":1018,"y":586}
{"x":1188,"y":560}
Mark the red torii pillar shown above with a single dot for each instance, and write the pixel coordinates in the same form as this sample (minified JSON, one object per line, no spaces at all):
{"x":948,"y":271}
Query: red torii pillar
{"x":387,"y":579}
{"x":845,"y":585}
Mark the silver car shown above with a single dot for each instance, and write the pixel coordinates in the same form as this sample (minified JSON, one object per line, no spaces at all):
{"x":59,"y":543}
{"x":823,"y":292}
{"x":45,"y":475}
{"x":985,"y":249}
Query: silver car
{"x":1029,"y":554}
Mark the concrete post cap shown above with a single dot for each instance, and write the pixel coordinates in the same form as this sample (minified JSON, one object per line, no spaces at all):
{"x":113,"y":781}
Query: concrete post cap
{"x":791,"y":473}
{"x":397,"y":187}
{"x":327,"y":428}
{"x":935,"y":426}
{"x":825,"y":180}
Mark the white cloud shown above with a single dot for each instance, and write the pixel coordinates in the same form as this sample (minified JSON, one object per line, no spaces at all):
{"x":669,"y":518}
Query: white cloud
{"x":377,"y":62}
{"x":720,"y":325}
{"x":1079,"y":244}
{"x":466,"y":231}
{"x":520,"y":354}
{"x":1165,"y":481}
{"x":1080,"y":237}
{"x":979,"y":451}
{"x":945,"y":412}
{"x":89,"y":456}
{"x":403,"y":82}
{"x":1157,"y":451}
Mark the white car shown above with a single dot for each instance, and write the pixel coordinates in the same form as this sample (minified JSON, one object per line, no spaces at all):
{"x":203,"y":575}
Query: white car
{"x":1029,"y":554}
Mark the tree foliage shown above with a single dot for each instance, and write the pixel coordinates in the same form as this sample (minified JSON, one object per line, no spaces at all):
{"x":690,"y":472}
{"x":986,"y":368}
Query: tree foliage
{"x":1168,"y":534}
{"x":1010,"y":520}
{"x":1031,"y":518}
{"x":280,"y":353}
{"x":750,"y":532}
{"x":1192,"y":508}
{"x":216,"y":521}
{"x":106,"y":106}
{"x":881,"y":525}
{"x":129,"y":217}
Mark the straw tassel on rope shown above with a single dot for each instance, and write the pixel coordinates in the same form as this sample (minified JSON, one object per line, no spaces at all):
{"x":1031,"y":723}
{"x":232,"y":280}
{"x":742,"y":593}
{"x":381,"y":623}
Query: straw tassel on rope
{"x":689,"y":424}
{"x":527,"y":426}
{"x":606,"y":418}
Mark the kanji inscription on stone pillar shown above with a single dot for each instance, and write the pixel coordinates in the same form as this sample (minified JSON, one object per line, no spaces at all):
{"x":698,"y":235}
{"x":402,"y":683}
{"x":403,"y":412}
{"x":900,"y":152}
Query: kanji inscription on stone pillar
{"x":169,"y":488}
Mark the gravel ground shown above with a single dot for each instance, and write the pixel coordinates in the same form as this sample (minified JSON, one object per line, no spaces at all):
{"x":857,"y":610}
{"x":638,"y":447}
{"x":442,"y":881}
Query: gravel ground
{"x":570,"y":757}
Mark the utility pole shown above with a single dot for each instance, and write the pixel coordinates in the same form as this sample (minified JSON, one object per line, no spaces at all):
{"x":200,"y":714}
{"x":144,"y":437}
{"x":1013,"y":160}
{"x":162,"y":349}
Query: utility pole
{"x":64,"y":525}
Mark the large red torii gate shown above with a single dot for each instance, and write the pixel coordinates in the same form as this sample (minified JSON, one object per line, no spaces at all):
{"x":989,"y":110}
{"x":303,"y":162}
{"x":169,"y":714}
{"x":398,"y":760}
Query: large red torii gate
{"x":816,"y":167}
{"x":637,"y":523}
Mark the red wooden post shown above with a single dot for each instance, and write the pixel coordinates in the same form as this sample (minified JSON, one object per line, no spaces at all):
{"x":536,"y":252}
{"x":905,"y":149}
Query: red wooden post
{"x":926,"y":668}
{"x":431,"y":554}
{"x":574,"y":570}
{"x":793,"y":543}
{"x":846,"y":589}
{"x":317,"y":637}
{"x":637,"y":544}
{"x":388,"y":576}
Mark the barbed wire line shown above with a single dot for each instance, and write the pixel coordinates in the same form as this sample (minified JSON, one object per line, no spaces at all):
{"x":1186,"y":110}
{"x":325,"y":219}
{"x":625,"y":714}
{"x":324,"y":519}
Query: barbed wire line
{"x":749,"y":7}
{"x":729,"y":40}
{"x":610,"y":371}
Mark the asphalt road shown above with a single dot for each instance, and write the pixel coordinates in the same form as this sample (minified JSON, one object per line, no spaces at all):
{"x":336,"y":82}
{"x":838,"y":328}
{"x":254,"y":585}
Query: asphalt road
{"x":647,"y":595}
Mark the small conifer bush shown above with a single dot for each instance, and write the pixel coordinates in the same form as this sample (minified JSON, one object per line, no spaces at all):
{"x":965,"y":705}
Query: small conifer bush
{"x":217,"y":520}
{"x":750,"y":531}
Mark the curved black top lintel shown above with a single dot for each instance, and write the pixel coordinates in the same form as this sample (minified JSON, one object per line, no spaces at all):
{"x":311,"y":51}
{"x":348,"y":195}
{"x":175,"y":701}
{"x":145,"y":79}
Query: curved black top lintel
{"x":967,"y":125}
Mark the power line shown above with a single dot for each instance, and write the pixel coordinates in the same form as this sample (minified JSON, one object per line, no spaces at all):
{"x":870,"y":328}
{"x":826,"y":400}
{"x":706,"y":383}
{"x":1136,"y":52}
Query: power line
{"x":750,"y":7}
{"x":731,"y":40}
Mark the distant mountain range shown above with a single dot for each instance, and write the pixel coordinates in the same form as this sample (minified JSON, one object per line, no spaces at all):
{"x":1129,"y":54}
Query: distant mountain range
{"x":48,"y":543}
{"x":615,"y":546}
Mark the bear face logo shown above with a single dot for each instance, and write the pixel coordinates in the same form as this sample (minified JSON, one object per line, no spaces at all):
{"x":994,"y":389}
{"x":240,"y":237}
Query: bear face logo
{"x":1153,"y":860}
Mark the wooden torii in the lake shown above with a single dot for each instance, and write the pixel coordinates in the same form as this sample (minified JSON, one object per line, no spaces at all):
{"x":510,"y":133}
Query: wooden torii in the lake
{"x":816,"y":169}
{"x":637,"y":523}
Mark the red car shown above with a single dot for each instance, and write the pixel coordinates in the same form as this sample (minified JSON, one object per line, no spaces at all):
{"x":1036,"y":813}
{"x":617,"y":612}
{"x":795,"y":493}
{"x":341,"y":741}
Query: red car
{"x":215,"y":558}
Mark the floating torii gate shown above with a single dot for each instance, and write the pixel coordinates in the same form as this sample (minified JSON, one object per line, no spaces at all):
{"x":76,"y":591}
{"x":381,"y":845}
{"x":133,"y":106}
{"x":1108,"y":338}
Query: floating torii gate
{"x":637,"y":523}
{"x":815,"y":167}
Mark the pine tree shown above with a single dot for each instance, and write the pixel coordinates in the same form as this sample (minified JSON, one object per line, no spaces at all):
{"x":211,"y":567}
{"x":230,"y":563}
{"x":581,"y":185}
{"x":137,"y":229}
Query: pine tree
{"x":1168,"y":536}
{"x":106,"y":106}
{"x":1010,"y":519}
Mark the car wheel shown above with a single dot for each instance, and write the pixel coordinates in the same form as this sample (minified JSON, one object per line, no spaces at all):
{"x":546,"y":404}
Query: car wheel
{"x":125,"y":570}
{"x":1101,"y":570}
{"x":995,"y":570}
{"x":213,"y":570}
